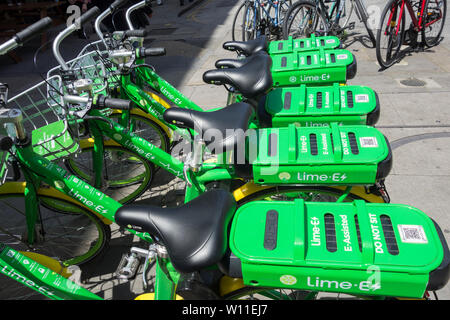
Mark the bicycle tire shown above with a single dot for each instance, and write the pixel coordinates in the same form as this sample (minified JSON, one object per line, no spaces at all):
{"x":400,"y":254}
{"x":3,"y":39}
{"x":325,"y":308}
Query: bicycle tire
{"x":348,"y":13}
{"x":12,"y":202}
{"x":147,"y":129}
{"x":283,"y":8}
{"x":235,"y":34}
{"x":363,"y":16}
{"x":123,"y":190}
{"x":433,"y":5}
{"x":247,"y":24}
{"x":320,"y":22}
{"x":394,"y":41}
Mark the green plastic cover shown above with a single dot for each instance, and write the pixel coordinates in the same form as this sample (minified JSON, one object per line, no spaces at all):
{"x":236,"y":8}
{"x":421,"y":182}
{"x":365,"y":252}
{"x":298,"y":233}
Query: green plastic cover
{"x":319,"y":155}
{"x":318,"y":106}
{"x":320,"y":67}
{"x":58,"y":141}
{"x":357,"y":247}
{"x":302,"y":45}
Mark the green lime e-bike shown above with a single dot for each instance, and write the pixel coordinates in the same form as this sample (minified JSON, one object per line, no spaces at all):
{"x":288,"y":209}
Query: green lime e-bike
{"x":116,"y":150}
{"x":274,"y":249}
{"x":346,"y":104}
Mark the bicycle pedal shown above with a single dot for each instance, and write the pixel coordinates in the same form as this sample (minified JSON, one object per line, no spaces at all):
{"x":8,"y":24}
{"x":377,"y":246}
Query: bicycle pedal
{"x":128,"y":266}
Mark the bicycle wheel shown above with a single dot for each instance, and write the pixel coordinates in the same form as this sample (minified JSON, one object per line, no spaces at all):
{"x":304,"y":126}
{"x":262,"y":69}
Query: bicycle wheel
{"x":251,"y":22}
{"x":236,"y":29}
{"x":283,"y":9}
{"x":304,"y":19}
{"x":276,"y":20}
{"x":390,"y":34}
{"x":126,"y":175}
{"x":364,"y":17}
{"x":148,"y":130}
{"x":72,"y":238}
{"x":345,"y":14}
{"x":433,"y":21}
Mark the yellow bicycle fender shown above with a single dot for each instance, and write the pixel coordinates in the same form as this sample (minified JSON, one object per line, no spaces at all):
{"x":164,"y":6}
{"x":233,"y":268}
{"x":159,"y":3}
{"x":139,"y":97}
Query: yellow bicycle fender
{"x":247,"y":189}
{"x":48,"y":262}
{"x":228,"y":284}
{"x":250,"y":188}
{"x":151,"y":296}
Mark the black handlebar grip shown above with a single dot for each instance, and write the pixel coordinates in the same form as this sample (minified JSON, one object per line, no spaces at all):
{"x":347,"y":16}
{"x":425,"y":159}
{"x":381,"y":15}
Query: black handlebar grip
{"x":135,"y":33}
{"x":152,"y":52}
{"x":88,"y":16}
{"x":33,"y":30}
{"x":113,"y":103}
{"x":117,"y":4}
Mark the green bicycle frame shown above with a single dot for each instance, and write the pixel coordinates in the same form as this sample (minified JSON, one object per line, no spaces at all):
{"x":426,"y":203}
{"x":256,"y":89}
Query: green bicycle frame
{"x":42,"y":279}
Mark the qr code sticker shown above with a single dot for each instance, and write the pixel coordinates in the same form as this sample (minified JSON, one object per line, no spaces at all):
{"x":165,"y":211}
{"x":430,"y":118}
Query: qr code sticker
{"x":412,"y":234}
{"x":341,"y":56}
{"x":329,"y":41}
{"x":368,"y":142}
{"x":362,"y":98}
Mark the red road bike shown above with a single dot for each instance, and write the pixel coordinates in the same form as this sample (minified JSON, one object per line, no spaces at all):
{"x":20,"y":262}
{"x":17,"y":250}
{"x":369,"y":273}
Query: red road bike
{"x":427,"y":18}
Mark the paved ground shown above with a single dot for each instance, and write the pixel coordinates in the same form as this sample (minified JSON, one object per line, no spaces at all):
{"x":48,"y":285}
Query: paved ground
{"x":416,"y":120}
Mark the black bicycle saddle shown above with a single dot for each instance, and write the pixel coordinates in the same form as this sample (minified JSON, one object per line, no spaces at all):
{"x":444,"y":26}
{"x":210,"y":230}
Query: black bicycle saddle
{"x":221,"y":130}
{"x":249,"y":47}
{"x":236,"y":63}
{"x":252,"y":79}
{"x":194,"y":234}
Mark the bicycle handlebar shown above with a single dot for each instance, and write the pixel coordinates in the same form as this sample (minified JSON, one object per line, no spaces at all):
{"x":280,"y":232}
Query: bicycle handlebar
{"x":151,"y":52}
{"x":101,"y":102}
{"x":90,"y":14}
{"x":113,"y":7}
{"x":36,"y":28}
{"x":113,"y":103}
{"x":23,"y":36}
{"x":87,"y":16}
{"x":134,"y":7}
{"x":117,"y":4}
{"x":141,"y":33}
